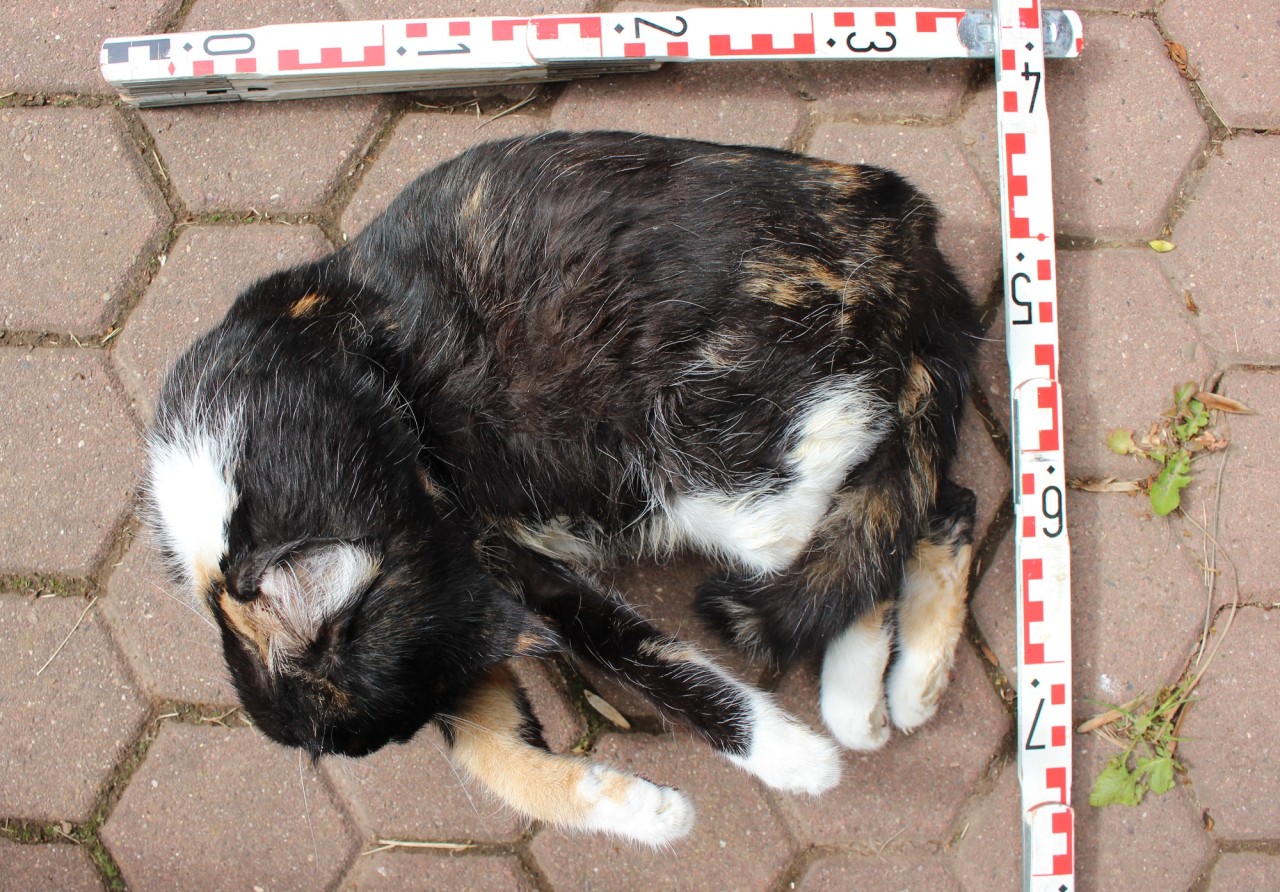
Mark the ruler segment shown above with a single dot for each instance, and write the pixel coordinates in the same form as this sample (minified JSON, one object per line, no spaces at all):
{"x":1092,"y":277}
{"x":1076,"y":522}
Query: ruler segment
{"x":1042,"y":549}
{"x":342,"y":58}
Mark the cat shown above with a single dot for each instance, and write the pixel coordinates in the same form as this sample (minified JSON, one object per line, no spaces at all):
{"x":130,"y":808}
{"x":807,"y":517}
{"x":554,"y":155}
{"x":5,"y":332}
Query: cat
{"x":388,"y":472}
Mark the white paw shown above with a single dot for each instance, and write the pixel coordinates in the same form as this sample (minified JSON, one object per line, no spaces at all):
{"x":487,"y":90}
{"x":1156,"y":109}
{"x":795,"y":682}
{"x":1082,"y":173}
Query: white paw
{"x":784,"y":753}
{"x":916,"y":683}
{"x":634,"y":808}
{"x":852,"y":723}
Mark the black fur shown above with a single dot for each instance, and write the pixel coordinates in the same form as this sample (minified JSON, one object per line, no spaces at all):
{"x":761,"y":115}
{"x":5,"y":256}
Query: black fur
{"x":524,"y":337}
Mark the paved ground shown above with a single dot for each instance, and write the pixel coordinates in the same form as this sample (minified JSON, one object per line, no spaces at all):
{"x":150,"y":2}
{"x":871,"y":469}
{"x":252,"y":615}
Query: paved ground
{"x":122,"y":234}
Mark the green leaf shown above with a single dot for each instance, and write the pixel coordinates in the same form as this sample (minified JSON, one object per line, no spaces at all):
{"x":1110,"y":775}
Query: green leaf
{"x":1159,"y":772}
{"x":1160,"y":246}
{"x":1165,"y":491}
{"x":1120,"y":441}
{"x":1183,"y":393}
{"x":1117,"y":785}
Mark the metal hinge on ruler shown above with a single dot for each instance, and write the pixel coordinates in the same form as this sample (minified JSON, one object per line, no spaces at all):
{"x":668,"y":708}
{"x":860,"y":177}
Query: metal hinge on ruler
{"x":343,"y":58}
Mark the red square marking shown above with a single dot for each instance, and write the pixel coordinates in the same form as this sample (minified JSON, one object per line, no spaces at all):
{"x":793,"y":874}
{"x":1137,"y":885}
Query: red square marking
{"x":415,"y":29}
{"x":885,"y":19}
{"x":1008,"y":60}
{"x":1046,"y":312}
{"x":677,"y":48}
{"x":1058,"y":736}
{"x":1028,"y":527}
{"x":1044,"y":270}
{"x":1028,"y":484}
{"x":203,"y":67}
{"x":634,"y":49}
{"x":246,"y":64}
{"x":1010,"y":101}
{"x":1057,"y":694}
{"x":459,"y":29}
{"x":844,"y":20}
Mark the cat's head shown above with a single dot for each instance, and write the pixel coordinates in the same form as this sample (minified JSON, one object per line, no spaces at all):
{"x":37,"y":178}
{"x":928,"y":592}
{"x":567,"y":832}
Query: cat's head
{"x":287,"y":493}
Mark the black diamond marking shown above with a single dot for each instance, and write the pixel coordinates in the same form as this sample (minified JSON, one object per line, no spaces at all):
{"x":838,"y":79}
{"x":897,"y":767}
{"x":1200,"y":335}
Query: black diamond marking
{"x":1020,"y":256}
{"x":401,"y":51}
{"x":1051,"y":469}
{"x":1035,"y":682}
{"x":1062,"y":888}
{"x":1030,"y":45}
{"x":619,"y":28}
{"x":831,"y":41}
{"x":187,"y":47}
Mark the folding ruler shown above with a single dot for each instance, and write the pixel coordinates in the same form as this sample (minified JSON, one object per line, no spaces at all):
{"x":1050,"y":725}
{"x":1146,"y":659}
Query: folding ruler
{"x":328,"y":59}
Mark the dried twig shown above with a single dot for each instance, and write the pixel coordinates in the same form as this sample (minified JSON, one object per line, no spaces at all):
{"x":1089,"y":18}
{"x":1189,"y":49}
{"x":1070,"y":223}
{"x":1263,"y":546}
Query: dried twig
{"x":385,"y":844}
{"x":69,"y":634}
{"x":506,"y":111}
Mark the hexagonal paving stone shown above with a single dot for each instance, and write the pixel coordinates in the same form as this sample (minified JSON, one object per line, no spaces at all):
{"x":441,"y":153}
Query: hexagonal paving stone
{"x":205,"y":270}
{"x":988,"y":854}
{"x":869,"y":89}
{"x":409,"y":871}
{"x":271,"y":157}
{"x":420,"y":142}
{"x":1227,"y":247}
{"x":66,"y":255}
{"x":910,"y":791}
{"x":1137,"y":599}
{"x":994,"y":603}
{"x":1245,"y":870}
{"x":1126,"y":341}
{"x":171,"y":643}
{"x":407,"y":9}
{"x":931,"y":159}
{"x":562,"y":725}
{"x":1230,"y":734}
{"x":218,"y":15}
{"x":741,"y":103}
{"x":230,"y":810}
{"x":62,"y":730}
{"x":983,"y":468}
{"x":867,"y":873}
{"x":68,"y":460}
{"x":1236,"y":57}
{"x":736,"y":830}
{"x":1158,"y":844}
{"x":410,"y":791}
{"x":1118,"y":155}
{"x":65,"y":868}
{"x":54,"y":47}
{"x":1248,"y":528}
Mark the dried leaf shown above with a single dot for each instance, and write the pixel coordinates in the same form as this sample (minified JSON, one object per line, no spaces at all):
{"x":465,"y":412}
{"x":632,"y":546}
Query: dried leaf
{"x":1178,"y":54}
{"x":606,"y":709}
{"x":1222,"y":403}
{"x":1104,"y":484}
{"x":1160,"y":246}
{"x":1191,"y":303}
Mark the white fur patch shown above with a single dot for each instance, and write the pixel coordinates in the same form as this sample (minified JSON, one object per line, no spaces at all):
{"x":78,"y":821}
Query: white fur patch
{"x":765,"y":528}
{"x":784,"y":753}
{"x":193,"y":497}
{"x":645,"y":812}
{"x":303,"y":594}
{"x":852,"y":699}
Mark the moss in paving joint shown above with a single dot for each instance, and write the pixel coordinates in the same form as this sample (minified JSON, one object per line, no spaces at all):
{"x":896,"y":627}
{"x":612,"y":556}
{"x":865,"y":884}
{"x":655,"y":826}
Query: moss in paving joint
{"x":576,"y":687}
{"x":39,"y":586}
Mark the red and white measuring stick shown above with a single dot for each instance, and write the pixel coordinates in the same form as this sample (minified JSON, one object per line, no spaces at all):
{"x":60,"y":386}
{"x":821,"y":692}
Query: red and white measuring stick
{"x":339,"y":58}
{"x":1042,"y":557}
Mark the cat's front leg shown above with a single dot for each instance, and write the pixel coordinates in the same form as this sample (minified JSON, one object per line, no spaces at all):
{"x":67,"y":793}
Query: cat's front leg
{"x":494,"y":739}
{"x":688,"y":687}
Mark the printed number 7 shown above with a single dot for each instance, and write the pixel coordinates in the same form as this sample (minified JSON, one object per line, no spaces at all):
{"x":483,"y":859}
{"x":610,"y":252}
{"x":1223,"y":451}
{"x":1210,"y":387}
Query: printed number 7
{"x":1028,"y":74}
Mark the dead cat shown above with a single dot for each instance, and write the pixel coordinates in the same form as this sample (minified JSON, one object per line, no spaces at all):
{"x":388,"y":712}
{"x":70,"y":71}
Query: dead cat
{"x":388,"y":472}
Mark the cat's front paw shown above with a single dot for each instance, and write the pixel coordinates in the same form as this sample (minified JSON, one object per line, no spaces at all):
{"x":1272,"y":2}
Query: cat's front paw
{"x":784,"y":753}
{"x":852,"y":723}
{"x":916,"y":683}
{"x":634,"y":808}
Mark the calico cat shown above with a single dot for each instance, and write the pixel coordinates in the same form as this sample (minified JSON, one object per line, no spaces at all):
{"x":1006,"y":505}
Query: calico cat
{"x":390,"y":471}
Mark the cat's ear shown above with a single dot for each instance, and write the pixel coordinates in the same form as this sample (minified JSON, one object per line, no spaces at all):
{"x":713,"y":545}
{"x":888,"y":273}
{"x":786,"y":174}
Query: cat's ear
{"x":279,"y":598}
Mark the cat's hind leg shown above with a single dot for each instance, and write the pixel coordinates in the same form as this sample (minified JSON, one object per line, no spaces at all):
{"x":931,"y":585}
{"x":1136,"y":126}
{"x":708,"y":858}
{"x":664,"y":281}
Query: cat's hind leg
{"x":688,"y":687}
{"x":931,"y":610}
{"x":852,"y":698}
{"x":495,"y":740}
